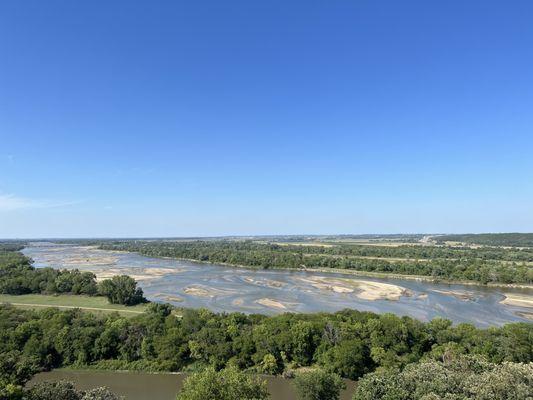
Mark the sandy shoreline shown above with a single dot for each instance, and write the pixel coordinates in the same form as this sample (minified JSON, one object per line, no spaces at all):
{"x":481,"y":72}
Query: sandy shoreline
{"x":385,"y":275}
{"x":271,"y":303}
{"x":458,"y":294}
{"x":518,"y":300}
{"x":369,"y":274}
{"x":139,"y":274}
{"x":365,"y":290}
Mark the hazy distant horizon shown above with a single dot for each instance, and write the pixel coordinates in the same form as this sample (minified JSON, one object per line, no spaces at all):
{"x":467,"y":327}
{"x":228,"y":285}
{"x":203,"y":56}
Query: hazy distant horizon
{"x":355,"y":235}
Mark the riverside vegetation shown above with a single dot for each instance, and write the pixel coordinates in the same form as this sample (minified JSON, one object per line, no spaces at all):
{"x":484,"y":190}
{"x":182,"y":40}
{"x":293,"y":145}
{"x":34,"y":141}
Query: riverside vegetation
{"x":388,"y":354}
{"x":18,"y":276}
{"x":483,"y":265}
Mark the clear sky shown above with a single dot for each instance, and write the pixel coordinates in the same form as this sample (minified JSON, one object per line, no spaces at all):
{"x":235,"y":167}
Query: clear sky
{"x":174,"y":118}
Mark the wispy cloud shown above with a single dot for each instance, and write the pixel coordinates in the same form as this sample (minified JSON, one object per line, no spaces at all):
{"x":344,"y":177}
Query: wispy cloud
{"x":11,"y":202}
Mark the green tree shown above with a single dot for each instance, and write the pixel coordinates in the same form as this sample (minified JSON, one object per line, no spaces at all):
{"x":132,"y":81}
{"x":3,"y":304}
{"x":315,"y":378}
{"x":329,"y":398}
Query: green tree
{"x":61,"y":390}
{"x":318,"y":385}
{"x":227,"y":384}
{"x":463,"y":378}
{"x":349,"y":358}
{"x":121,"y":289}
{"x":100,"y":393}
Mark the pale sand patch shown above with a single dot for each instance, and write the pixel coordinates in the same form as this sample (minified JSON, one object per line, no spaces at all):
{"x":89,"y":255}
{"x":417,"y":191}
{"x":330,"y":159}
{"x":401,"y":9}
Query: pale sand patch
{"x":237,"y":302}
{"x":195,"y":291}
{"x":458,"y":294}
{"x":173,"y":298}
{"x":366,"y":290}
{"x":271,"y":303}
{"x":139,"y":274}
{"x":265,"y":282}
{"x":422,"y":296}
{"x":207,"y":291}
{"x":525,"y":314}
{"x":92,"y":260}
{"x":515,"y":299}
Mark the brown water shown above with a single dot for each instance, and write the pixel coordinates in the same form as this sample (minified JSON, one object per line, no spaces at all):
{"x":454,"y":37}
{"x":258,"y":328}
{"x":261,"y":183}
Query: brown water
{"x":160,"y":386}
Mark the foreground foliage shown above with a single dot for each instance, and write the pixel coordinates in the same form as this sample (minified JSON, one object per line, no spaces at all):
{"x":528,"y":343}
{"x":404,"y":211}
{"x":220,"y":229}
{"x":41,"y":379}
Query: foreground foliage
{"x":318,"y":385}
{"x":459,"y":379}
{"x":227,"y":384}
{"x":348,"y":343}
{"x":63,"y":390}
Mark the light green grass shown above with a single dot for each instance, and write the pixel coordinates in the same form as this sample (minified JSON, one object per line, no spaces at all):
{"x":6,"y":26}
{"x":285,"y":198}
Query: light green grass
{"x":96,"y":304}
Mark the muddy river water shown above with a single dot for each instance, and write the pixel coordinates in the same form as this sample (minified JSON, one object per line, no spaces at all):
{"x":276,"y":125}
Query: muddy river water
{"x":223,"y":288}
{"x":160,"y":386}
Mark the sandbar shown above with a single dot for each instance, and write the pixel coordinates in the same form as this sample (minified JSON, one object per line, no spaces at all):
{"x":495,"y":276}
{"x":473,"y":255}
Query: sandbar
{"x":271,"y":303}
{"x":461,"y":295}
{"x":519,"y":300}
{"x":365,"y":290}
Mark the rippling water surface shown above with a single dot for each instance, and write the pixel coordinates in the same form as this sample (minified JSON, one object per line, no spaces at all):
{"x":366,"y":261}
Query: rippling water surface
{"x":222,"y":288}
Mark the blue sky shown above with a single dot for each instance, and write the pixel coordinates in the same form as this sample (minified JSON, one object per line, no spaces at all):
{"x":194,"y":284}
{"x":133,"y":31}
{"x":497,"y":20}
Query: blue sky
{"x":163,"y":118}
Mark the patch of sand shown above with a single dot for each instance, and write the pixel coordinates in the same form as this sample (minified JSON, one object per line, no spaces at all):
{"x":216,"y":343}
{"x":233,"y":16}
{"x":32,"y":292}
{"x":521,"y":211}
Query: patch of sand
{"x":525,"y":314}
{"x":265,"y":282}
{"x":366,"y":290}
{"x":458,"y":294}
{"x":168,"y":297}
{"x":139,"y":274}
{"x":92,"y":260}
{"x":271,"y":303}
{"x":519,"y":300}
{"x":237,"y":302}
{"x":196,"y":291}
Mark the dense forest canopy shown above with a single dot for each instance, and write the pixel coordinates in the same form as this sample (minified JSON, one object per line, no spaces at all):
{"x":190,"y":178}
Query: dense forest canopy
{"x":349,"y":343}
{"x":481,"y":265}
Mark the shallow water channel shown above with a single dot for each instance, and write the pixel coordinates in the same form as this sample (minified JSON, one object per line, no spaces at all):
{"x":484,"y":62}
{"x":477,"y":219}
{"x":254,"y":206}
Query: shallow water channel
{"x":223,"y":288}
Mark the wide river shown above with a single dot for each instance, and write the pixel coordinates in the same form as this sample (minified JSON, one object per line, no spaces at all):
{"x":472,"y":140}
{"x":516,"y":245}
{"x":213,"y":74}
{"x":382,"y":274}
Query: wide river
{"x":222,"y":288}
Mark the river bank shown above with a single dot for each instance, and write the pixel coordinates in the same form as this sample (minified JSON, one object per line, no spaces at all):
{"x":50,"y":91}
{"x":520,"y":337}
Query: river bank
{"x":370,"y":274}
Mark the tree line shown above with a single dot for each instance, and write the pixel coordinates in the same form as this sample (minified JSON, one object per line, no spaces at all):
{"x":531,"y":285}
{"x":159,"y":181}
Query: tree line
{"x":18,"y":276}
{"x":265,"y":255}
{"x":491,"y":239}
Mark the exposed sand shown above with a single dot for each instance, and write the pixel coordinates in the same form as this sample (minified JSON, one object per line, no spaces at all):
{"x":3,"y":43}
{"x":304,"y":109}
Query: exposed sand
{"x":196,"y":291}
{"x":519,"y":300}
{"x":525,"y":314}
{"x":139,"y":274}
{"x":237,"y":302}
{"x":265,"y":282}
{"x":93,"y":260}
{"x":168,"y":297}
{"x":422,"y":296}
{"x":458,"y":294}
{"x":366,"y":290}
{"x":271,"y":303}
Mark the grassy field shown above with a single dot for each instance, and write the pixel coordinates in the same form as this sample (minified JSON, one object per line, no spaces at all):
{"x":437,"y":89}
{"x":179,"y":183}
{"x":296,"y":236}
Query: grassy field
{"x":95,"y":304}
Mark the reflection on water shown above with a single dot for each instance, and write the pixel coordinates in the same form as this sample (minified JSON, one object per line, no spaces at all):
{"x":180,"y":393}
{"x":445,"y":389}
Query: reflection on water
{"x":223,"y":288}
{"x":143,"y":386}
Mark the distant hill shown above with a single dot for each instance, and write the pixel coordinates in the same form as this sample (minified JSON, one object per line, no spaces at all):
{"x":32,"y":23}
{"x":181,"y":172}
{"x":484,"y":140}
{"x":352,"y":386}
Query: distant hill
{"x":491,"y":239}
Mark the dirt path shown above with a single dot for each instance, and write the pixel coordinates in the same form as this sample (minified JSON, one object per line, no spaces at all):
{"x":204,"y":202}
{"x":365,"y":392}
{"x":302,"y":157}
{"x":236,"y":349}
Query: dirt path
{"x":83,"y":308}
